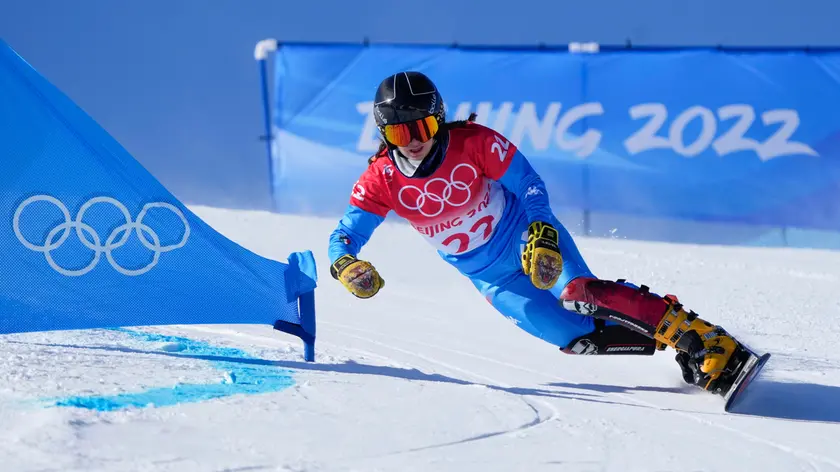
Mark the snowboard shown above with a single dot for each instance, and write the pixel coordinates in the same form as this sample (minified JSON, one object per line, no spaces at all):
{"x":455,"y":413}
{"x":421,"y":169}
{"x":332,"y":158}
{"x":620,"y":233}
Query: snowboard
{"x":751,"y":365}
{"x":743,"y":367}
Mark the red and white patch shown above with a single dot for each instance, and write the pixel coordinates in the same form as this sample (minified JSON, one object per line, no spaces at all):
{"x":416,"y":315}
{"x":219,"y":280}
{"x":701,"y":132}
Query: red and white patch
{"x":458,"y":207}
{"x":441,"y":193}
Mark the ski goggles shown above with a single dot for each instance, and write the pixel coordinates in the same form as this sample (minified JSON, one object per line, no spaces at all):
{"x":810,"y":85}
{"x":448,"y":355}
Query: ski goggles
{"x":401,"y":134}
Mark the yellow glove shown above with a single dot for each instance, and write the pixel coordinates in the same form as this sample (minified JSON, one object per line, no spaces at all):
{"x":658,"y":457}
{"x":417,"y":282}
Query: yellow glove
{"x":360,"y":277}
{"x":541,"y":259}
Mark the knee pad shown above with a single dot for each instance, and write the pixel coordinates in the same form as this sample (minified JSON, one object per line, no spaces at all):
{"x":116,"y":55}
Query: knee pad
{"x":634,"y":307}
{"x":611,"y":340}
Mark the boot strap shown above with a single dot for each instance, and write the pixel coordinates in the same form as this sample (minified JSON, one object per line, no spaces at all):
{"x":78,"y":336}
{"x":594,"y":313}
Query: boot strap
{"x":675,"y":323}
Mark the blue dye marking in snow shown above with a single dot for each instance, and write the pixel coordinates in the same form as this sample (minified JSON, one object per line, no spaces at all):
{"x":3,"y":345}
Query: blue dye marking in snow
{"x":240,"y":377}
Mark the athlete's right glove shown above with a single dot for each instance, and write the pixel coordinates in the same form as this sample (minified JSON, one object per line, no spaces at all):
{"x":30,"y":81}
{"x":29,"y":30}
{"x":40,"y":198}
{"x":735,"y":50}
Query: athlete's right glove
{"x":541,"y":259}
{"x":359,"y":277}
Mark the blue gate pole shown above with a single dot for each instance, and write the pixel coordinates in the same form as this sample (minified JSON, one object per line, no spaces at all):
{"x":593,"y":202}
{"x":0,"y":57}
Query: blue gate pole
{"x":261,"y":52}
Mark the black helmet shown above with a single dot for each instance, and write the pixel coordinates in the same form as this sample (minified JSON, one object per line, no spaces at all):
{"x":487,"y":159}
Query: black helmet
{"x":405,"y":97}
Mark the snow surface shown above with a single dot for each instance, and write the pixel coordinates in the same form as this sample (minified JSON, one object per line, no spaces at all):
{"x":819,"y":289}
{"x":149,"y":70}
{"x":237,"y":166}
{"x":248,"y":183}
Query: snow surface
{"x":426,"y":376}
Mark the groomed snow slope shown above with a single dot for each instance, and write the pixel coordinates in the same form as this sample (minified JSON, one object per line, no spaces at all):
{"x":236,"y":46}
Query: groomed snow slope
{"x":426,"y":376}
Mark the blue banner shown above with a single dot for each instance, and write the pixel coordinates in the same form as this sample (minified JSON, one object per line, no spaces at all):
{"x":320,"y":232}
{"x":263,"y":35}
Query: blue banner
{"x":711,"y":136}
{"x":90,"y":239}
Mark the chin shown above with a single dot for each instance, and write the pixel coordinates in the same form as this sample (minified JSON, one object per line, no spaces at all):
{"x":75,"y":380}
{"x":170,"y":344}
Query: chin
{"x":420,"y":154}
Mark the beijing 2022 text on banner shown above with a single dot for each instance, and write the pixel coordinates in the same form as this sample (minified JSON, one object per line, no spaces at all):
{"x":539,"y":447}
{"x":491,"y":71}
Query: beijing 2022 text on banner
{"x":709,"y":136}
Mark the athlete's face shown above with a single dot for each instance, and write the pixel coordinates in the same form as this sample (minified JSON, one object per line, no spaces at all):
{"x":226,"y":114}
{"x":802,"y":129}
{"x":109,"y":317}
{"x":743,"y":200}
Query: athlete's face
{"x":416,"y":149}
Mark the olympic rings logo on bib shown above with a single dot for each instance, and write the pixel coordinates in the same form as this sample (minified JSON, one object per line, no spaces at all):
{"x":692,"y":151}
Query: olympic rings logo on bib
{"x":90,"y":238}
{"x":432,"y":199}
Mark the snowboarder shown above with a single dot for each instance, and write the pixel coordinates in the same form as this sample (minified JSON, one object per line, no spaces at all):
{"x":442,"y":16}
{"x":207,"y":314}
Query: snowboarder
{"x":475,"y":197}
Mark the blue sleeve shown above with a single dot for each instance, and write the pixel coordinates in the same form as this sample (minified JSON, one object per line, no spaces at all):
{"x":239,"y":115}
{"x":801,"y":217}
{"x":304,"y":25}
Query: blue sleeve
{"x":523,"y":181}
{"x":354,"y":230}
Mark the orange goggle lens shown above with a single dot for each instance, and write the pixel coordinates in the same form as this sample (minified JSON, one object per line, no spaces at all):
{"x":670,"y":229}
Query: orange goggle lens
{"x":422,"y":130}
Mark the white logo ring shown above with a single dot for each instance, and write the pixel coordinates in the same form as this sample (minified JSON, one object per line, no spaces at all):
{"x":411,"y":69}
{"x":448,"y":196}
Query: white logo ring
{"x":424,"y":194}
{"x":90,"y":238}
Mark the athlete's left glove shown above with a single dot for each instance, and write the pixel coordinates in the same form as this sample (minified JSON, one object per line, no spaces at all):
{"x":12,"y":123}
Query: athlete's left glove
{"x":541,"y":259}
{"x":359,"y":277}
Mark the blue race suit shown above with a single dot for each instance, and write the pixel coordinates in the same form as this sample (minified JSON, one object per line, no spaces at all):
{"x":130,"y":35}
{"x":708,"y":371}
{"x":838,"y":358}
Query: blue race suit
{"x":476,"y":209}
